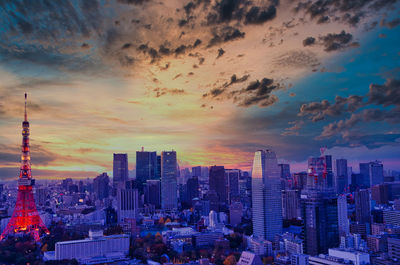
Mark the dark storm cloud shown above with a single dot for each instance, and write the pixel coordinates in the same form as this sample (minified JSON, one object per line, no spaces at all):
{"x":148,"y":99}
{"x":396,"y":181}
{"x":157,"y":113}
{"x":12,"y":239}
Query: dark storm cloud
{"x":309,"y":41}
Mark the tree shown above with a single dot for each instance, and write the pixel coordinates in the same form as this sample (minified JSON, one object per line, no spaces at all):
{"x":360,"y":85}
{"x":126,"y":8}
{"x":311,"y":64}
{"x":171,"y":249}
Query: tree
{"x":230,"y":260}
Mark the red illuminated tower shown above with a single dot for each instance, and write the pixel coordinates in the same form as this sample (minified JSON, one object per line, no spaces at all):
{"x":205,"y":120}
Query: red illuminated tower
{"x":25,"y":218}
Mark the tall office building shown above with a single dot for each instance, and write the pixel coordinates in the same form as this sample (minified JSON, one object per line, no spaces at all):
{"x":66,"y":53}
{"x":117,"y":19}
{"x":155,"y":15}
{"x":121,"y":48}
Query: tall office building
{"x":146,"y":167}
{"x":364,"y":174}
{"x":158,"y":173}
{"x":321,"y":174}
{"x":127,"y":203}
{"x":232,"y":177}
{"x":152,"y":193}
{"x":196,"y":171}
{"x":341,"y":177}
{"x":376,"y":173}
{"x":362,"y":205}
{"x":380,"y":193}
{"x":290,"y":204}
{"x":266,"y":195}
{"x":169,"y":166}
{"x":100,"y":186}
{"x":120,"y":170}
{"x":285,"y":170}
{"x":320,"y":215}
{"x":218,"y":183}
{"x":192,"y":189}
{"x":343,"y":220}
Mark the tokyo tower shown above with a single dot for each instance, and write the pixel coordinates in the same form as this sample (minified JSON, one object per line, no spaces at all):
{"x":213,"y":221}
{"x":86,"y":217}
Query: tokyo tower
{"x":25,"y":218}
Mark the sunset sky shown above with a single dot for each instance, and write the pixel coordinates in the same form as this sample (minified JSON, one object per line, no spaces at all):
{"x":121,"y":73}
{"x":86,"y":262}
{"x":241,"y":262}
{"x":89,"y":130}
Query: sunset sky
{"x":213,"y":80}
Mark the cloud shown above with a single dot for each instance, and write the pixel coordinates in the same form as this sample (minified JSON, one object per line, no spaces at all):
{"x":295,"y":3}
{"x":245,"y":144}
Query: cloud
{"x":337,"y":41}
{"x":349,"y":12}
{"x":308,"y":41}
{"x":390,"y":24}
{"x":319,"y":110}
{"x":220,"y":52}
{"x":225,"y":34}
{"x":387,"y":94}
{"x":168,"y":91}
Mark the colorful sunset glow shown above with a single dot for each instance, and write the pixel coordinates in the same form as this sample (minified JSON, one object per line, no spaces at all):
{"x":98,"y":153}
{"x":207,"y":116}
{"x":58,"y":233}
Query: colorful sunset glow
{"x":213,"y":80}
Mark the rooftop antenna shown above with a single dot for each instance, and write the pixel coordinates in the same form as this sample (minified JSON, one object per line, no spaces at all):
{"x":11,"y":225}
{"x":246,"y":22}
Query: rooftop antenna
{"x":25,"y":115}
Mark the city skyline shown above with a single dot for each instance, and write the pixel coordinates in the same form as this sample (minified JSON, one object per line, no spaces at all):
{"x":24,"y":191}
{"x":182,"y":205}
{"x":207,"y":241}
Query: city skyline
{"x":215,"y":81}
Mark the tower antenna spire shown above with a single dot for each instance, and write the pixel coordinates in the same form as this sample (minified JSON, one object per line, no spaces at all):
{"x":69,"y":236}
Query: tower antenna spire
{"x":26,"y":116}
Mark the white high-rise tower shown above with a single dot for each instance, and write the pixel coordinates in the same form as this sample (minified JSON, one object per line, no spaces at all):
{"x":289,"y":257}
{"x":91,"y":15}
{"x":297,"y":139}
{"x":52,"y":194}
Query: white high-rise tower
{"x":266,"y":195}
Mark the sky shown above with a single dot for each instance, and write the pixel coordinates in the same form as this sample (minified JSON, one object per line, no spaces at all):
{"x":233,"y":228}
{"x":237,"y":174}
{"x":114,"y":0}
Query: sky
{"x":214,"y":80}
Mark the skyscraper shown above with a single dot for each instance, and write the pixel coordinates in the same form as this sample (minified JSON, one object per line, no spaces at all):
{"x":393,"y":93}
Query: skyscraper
{"x":376,"y":173}
{"x":152,"y":193}
{"x":341,"y":177}
{"x":320,"y":215}
{"x":320,"y":172}
{"x":218,"y":184}
{"x":232,"y":177}
{"x":120,"y":170}
{"x":343,"y":220}
{"x":100,"y":186}
{"x":146,"y":167}
{"x":285,"y":170}
{"x":362,"y":205}
{"x":127,"y":203}
{"x":290,"y":204}
{"x":266,"y":195}
{"x":192,"y":189}
{"x":169,"y":199}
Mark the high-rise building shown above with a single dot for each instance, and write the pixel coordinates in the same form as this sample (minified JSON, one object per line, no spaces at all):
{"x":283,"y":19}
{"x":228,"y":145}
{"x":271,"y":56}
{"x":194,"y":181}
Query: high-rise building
{"x":364,"y":174}
{"x":341,"y":177}
{"x":235,"y":213}
{"x":127,"y":203}
{"x":362,"y":206}
{"x":192,"y":189}
{"x":196,"y":171}
{"x":285,"y":170}
{"x":100,"y":186}
{"x":120,"y":170}
{"x":266,"y":196}
{"x":380,"y":193}
{"x":320,"y":172}
{"x":320,"y":215}
{"x":152,"y":192}
{"x":169,"y":199}
{"x":376,"y":173}
{"x":232,"y":177}
{"x":290,"y":204}
{"x":218,"y":183}
{"x":343,"y":220}
{"x":146,"y":167}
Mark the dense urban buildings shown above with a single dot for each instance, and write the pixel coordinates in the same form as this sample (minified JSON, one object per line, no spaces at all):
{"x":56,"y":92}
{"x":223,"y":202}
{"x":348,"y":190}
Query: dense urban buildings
{"x":326,"y":214}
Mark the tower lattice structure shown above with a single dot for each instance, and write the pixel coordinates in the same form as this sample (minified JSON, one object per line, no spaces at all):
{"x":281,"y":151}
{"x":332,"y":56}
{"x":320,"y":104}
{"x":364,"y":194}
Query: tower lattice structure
{"x":25,"y":218}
